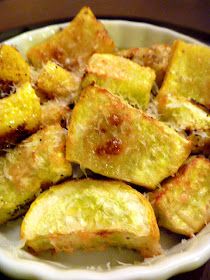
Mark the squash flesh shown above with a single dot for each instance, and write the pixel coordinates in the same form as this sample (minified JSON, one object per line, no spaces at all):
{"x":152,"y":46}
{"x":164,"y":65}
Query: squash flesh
{"x":13,"y":67}
{"x":188,"y":72}
{"x":111,"y":138}
{"x":182,"y":203}
{"x":89,"y":214}
{"x":155,"y":57}
{"x":20,"y":114}
{"x":73,"y":46}
{"x":56,"y":82}
{"x":36,"y":162}
{"x":122,"y":77}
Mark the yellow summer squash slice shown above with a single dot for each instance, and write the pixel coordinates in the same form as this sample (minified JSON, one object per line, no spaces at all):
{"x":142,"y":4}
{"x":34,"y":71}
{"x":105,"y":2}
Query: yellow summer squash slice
{"x":37,"y":162}
{"x":156,"y":57}
{"x":91,"y":214}
{"x":56,"y":82}
{"x":20,"y":114}
{"x":122,"y":77}
{"x":109,"y":137}
{"x":73,"y":45}
{"x":183,"y":114}
{"x":13,"y":68}
{"x":182,"y":203}
{"x":188,"y":117}
{"x":188,"y":73}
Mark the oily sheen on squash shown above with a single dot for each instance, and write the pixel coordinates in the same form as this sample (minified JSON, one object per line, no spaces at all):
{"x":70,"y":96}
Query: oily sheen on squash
{"x":111,"y":138}
{"x":182,"y":203}
{"x":37,"y":162}
{"x":91,"y":214}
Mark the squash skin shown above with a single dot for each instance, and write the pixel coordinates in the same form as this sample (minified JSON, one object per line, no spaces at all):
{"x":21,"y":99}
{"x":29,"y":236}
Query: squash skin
{"x":13,"y":67}
{"x":182,"y":203}
{"x":73,"y":46}
{"x":182,"y":113}
{"x":186,"y":84}
{"x":111,"y":138}
{"x":34,"y":164}
{"x":188,"y":72}
{"x":92,"y":215}
{"x":20,"y":114}
{"x":122,"y":77}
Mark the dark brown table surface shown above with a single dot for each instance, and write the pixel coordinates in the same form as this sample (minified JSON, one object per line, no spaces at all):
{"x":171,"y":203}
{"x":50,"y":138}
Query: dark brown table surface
{"x":188,"y":16}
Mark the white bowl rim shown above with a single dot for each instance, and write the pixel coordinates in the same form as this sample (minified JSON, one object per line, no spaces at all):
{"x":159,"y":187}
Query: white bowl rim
{"x":113,"y":22}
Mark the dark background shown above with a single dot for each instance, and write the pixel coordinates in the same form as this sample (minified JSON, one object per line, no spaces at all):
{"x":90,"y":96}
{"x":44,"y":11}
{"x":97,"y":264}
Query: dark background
{"x":191,"y":17}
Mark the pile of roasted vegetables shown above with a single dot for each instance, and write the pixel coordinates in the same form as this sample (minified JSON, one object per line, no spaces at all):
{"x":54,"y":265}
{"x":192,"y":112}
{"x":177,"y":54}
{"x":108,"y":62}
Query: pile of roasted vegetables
{"x":126,"y":119}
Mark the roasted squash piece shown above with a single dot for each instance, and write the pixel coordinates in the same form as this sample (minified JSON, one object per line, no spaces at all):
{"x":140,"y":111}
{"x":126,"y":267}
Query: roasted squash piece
{"x":155,"y":57}
{"x":55,"y":111}
{"x":73,"y":46}
{"x":111,"y":138}
{"x":188,"y":72}
{"x":182,"y":203}
{"x":185,"y":115}
{"x":120,"y":76}
{"x":56,"y":82}
{"x":37,"y":162}
{"x":19,"y":115}
{"x":13,"y":67}
{"x":90,"y":214}
{"x":182,"y":113}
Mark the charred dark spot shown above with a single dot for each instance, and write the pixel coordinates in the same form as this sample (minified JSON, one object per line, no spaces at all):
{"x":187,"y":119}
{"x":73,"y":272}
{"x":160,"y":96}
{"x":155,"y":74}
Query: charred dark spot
{"x":15,"y":136}
{"x":111,"y":147}
{"x":92,"y":83}
{"x":71,"y":106}
{"x":6,"y":88}
{"x":57,"y":53}
{"x":32,"y":251}
{"x":21,"y":208}
{"x":188,"y":131}
{"x":63,"y":123}
{"x":46,"y":185}
{"x":103,"y":130}
{"x":104,"y":233}
{"x":206,"y":149}
{"x":201,"y":106}
{"x":115,"y":120}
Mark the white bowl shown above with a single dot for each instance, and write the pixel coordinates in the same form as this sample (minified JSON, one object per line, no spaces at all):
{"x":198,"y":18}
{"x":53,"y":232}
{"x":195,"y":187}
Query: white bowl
{"x":180,"y":255}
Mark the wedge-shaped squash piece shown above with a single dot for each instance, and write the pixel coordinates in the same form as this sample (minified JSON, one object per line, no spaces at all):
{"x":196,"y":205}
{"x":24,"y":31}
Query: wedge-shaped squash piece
{"x":55,"y":111}
{"x":13,"y":67}
{"x":111,"y":138}
{"x":185,"y":115}
{"x":73,"y":46}
{"x":182,"y":113}
{"x":89,"y":214}
{"x":155,"y":57}
{"x":182,"y":203}
{"x":55,"y":82}
{"x":19,"y":114}
{"x":37,"y":162}
{"x":188,"y":72}
{"x":120,"y":76}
